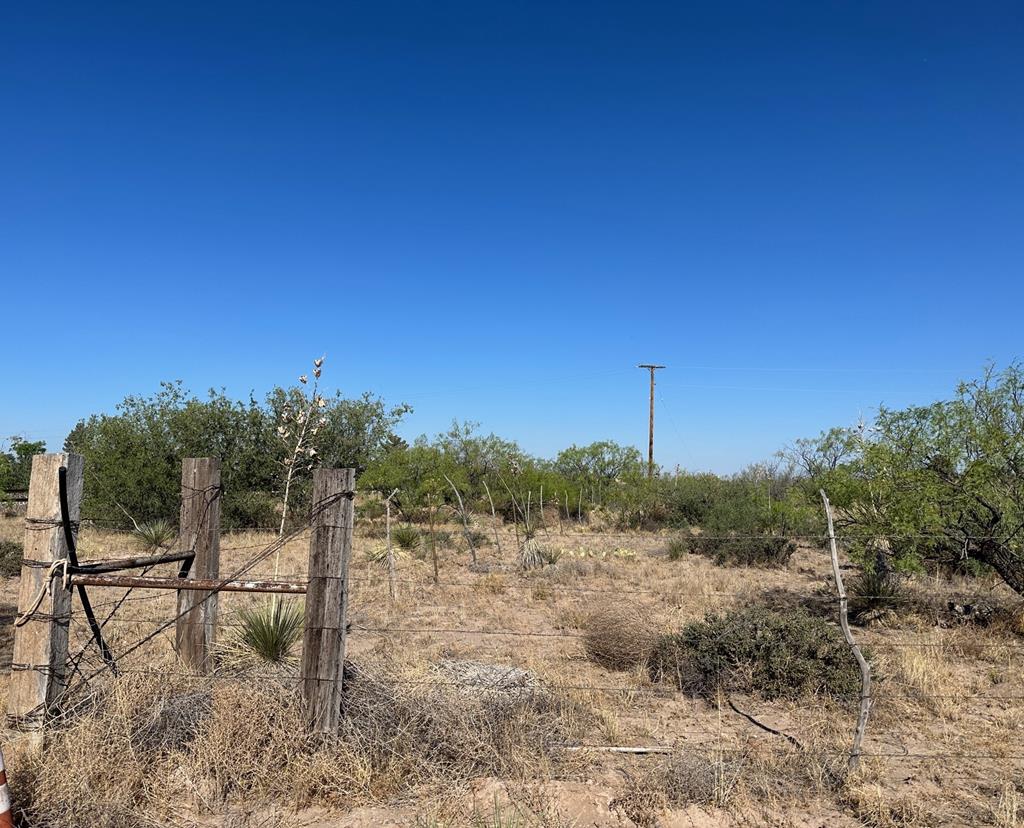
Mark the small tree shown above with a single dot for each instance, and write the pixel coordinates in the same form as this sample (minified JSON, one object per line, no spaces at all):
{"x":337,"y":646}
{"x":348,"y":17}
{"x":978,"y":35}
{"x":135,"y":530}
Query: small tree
{"x":942,"y":482}
{"x":16,"y":462}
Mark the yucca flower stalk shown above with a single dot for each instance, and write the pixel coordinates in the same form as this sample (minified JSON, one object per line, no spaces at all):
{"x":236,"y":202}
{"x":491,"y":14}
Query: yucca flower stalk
{"x":299,"y":425}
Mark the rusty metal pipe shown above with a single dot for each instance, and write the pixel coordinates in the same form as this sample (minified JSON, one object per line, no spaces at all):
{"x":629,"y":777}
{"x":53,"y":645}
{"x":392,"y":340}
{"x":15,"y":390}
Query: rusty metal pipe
{"x":200,"y":584}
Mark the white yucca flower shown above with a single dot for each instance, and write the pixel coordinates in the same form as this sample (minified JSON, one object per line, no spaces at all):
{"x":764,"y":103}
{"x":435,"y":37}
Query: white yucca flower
{"x":318,"y":362}
{"x":303,"y":379}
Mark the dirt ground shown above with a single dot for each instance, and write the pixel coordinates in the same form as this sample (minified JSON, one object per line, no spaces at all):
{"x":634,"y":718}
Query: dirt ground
{"x":943,"y":746}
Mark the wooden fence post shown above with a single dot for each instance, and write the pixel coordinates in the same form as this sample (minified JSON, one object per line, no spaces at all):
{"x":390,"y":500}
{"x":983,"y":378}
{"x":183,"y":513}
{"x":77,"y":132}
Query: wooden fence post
{"x":323,"y":644}
{"x":41,"y":641}
{"x":199,"y":530}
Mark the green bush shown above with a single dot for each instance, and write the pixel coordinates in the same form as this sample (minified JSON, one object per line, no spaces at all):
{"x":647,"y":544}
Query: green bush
{"x":678,"y":548}
{"x":762,"y":550}
{"x":479,"y":539}
{"x":370,"y":509}
{"x":439,"y":538}
{"x":757,"y":650}
{"x":246,"y":509}
{"x":11,"y":553}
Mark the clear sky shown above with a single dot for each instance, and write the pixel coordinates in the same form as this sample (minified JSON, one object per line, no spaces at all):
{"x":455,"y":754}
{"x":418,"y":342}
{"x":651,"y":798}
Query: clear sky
{"x":493,"y":211}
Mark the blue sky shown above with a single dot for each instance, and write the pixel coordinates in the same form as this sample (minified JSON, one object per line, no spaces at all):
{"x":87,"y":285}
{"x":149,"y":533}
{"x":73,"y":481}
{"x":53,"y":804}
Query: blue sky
{"x":495,"y":211}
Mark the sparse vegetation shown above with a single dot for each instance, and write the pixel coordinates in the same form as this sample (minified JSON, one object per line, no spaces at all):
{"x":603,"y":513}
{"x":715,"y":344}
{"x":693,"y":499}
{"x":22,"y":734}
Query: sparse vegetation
{"x":737,"y":550}
{"x":11,"y":553}
{"x":414,"y":729}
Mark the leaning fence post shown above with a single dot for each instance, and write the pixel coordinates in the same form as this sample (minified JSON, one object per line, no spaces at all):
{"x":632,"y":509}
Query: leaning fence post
{"x":199,"y":530}
{"x":44,"y":606}
{"x":323,"y":643}
{"x":865,"y":668}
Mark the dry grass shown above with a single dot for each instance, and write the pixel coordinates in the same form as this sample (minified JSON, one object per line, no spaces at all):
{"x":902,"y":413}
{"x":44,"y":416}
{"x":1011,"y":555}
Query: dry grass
{"x":146,"y":745}
{"x":186,"y":748}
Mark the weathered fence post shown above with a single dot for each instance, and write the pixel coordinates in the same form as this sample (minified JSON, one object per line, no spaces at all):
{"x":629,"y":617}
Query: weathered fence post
{"x":865,"y":668}
{"x":41,"y":639}
{"x":323,"y":644}
{"x":199,"y":530}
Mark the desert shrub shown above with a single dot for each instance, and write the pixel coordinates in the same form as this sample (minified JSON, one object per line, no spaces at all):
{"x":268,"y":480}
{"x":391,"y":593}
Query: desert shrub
{"x":406,"y":538}
{"x":479,"y":539}
{"x":439,"y":539}
{"x":370,"y":509}
{"x":11,"y":553}
{"x":619,"y":637}
{"x":251,"y":509}
{"x":678,"y":548}
{"x":378,"y":555}
{"x":134,"y":454}
{"x":740,"y":550}
{"x":757,"y":650}
{"x":552,"y":555}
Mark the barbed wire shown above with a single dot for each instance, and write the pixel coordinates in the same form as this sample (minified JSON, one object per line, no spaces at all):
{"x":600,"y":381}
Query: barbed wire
{"x":497,"y":684}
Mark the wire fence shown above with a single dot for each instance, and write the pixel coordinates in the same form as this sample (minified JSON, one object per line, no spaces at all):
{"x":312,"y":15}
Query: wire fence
{"x":137,"y":618}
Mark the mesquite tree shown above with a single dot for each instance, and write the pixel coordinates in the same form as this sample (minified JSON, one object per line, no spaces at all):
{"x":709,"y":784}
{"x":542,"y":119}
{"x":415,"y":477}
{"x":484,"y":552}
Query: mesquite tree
{"x":941,"y":482}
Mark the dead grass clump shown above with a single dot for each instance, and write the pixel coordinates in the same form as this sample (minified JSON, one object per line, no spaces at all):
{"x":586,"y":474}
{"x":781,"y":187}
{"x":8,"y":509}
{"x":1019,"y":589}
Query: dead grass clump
{"x":106,"y":766}
{"x":570,"y":568}
{"x":704,"y":778}
{"x":619,"y":637}
{"x":245,"y":742}
{"x":148,"y":747}
{"x":877,"y":808}
{"x":642,"y":803}
{"x":931,"y":674}
{"x":412,"y":732}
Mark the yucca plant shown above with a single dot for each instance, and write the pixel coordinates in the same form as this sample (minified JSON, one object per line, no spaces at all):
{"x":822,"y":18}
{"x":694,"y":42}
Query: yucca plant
{"x":379,"y":555}
{"x":269,"y":631}
{"x":156,"y":535}
{"x":532,"y":554}
{"x":406,"y":538}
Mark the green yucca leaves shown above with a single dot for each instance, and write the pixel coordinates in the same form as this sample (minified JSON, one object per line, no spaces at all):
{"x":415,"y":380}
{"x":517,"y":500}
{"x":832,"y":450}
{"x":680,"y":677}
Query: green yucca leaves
{"x":156,"y":535}
{"x":270,"y":630}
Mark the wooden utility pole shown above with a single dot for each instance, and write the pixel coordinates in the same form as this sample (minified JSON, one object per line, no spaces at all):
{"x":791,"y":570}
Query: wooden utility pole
{"x":200,"y":531}
{"x":650,"y":427}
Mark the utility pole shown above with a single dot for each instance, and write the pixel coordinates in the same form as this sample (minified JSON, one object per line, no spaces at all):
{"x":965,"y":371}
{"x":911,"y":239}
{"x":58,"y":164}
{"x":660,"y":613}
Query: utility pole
{"x":650,"y":429}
